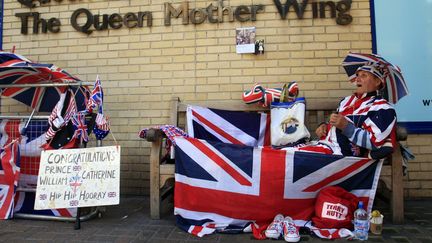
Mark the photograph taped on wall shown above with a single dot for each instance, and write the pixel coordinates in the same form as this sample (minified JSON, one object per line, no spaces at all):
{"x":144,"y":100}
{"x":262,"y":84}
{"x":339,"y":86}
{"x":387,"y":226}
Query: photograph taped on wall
{"x":245,"y":40}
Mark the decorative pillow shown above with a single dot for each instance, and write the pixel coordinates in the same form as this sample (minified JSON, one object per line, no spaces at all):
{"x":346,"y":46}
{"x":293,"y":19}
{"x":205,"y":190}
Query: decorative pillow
{"x":287,"y":123}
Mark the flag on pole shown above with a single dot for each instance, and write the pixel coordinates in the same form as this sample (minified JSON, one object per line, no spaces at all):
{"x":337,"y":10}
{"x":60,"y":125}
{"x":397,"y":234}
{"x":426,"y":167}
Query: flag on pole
{"x":96,"y":97}
{"x":9,"y":175}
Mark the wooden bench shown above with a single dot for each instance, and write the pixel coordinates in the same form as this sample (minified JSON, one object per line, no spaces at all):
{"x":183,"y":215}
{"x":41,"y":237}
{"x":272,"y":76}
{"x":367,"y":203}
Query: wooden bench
{"x":162,"y":174}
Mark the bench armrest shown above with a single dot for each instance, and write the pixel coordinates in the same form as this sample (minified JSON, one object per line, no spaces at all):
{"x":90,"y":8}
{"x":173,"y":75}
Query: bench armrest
{"x":153,"y":134}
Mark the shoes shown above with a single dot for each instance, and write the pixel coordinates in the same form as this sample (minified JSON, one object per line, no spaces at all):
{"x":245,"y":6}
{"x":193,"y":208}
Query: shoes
{"x":289,"y":230}
{"x":284,"y":226}
{"x":274,"y":230}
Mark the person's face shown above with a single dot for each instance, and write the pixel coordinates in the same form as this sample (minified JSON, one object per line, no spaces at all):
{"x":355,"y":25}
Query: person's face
{"x":366,"y":82}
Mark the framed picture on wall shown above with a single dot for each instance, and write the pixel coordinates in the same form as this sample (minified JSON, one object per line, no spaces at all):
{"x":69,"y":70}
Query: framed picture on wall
{"x":245,"y":40}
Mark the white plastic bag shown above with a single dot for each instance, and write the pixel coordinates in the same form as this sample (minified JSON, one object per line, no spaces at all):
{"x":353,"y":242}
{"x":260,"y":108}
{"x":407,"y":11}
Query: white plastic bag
{"x":287,"y":123}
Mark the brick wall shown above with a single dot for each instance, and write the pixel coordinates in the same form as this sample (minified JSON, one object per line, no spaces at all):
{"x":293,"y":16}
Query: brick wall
{"x":142,"y":68}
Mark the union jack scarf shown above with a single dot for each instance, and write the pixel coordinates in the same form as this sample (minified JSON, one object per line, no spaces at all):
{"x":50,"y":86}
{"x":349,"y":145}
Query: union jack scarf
{"x":80,"y":123}
{"x":170,"y":131}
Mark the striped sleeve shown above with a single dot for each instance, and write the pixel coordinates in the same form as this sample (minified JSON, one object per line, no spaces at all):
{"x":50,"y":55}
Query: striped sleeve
{"x":375,"y":131}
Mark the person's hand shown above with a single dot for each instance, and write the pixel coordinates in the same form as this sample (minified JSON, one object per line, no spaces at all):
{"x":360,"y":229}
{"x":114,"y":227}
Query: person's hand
{"x":338,"y":120}
{"x":321,"y":131}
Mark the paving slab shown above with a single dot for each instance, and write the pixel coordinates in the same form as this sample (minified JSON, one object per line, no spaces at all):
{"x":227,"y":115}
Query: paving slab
{"x":130,"y":222}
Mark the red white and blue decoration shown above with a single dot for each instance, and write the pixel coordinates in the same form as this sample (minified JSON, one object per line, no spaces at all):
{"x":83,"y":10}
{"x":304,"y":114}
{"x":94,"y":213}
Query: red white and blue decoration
{"x":9,"y":176}
{"x":16,"y":69}
{"x":79,"y":122}
{"x":223,"y":187}
{"x":265,"y":97}
{"x":102,"y":127}
{"x":236,"y":127}
{"x":63,"y":112}
{"x":259,"y":94}
{"x":29,"y":157}
{"x":391,"y":75}
{"x":96,"y":97}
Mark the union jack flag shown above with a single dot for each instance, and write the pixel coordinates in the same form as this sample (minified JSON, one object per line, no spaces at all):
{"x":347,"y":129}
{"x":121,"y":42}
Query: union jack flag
{"x":221,"y":187}
{"x":236,"y":127}
{"x":9,"y":175}
{"x":24,"y":203}
{"x":81,"y":128}
{"x":30,"y":149}
{"x":29,"y":144}
{"x":75,"y":181}
{"x":96,"y":97}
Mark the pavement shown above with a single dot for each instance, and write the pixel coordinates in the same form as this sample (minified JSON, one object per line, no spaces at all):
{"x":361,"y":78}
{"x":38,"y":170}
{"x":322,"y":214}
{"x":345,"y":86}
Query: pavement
{"x":130,"y":222}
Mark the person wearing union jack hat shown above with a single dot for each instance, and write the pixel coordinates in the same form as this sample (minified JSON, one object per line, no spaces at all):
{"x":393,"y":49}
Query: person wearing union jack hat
{"x":365,"y":122}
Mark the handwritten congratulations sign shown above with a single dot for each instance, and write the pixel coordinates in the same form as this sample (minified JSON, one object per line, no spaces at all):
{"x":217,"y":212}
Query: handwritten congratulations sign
{"x":78,"y":178}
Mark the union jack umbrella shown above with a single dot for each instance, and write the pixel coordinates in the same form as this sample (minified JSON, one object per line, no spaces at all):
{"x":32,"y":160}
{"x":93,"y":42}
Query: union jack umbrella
{"x":16,"y":69}
{"x":395,"y":85}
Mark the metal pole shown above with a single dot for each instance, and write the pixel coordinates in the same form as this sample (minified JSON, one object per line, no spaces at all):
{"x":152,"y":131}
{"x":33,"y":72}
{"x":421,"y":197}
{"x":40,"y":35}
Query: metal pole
{"x":24,"y":129}
{"x":78,"y":220}
{"x":23,"y":117}
{"x":45,"y":84}
{"x":78,"y":216}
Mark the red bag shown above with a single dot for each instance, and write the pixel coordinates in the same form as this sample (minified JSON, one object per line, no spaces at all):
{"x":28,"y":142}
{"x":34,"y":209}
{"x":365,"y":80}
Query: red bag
{"x":334,"y":208}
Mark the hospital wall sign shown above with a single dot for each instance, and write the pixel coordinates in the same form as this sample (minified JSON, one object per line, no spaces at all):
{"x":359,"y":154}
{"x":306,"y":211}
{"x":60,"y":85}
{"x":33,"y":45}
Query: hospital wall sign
{"x":85,"y":21}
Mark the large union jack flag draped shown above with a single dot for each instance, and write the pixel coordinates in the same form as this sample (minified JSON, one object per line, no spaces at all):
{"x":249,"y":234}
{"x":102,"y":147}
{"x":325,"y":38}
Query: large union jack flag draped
{"x":235,"y":127}
{"x":16,"y":69}
{"x":30,"y":149}
{"x":79,"y":122}
{"x":222,"y":187}
{"x":9,"y":175}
